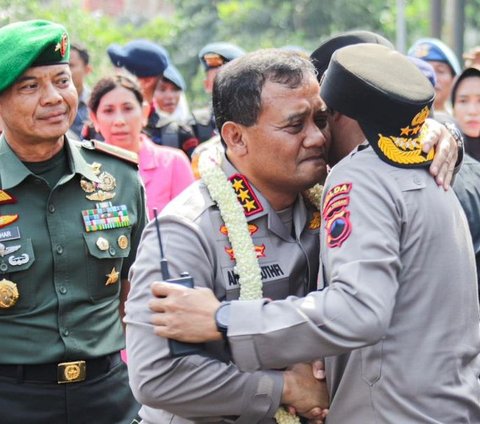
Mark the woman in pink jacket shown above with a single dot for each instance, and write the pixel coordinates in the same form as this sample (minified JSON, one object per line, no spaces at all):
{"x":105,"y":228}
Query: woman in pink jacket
{"x":118,"y":113}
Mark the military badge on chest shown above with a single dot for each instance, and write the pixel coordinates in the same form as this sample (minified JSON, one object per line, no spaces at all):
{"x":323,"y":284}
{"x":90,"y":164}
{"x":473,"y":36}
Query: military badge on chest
{"x":102,"y":190}
{"x":9,"y":293}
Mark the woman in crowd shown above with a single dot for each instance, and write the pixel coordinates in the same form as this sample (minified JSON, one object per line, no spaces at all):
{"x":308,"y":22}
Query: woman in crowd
{"x":169,"y":95}
{"x":466,"y":108}
{"x":118,"y":113}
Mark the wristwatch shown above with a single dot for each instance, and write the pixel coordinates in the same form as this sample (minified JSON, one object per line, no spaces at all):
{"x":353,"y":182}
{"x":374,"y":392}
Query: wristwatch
{"x":458,"y":137}
{"x":222,"y":319}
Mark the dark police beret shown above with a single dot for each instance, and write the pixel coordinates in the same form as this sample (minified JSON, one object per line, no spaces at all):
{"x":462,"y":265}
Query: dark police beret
{"x":142,"y":58}
{"x":216,"y":54}
{"x":386,"y":94}
{"x":173,"y":75}
{"x":466,"y":73}
{"x":431,"y":49}
{"x":321,"y":56}
{"x":30,"y":43}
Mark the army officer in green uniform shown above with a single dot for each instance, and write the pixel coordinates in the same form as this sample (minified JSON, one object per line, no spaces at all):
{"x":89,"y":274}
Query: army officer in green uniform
{"x":70,"y":221}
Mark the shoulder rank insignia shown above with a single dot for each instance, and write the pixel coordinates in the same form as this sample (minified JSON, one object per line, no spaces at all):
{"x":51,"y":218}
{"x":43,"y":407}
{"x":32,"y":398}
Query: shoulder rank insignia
{"x":111,"y":150}
{"x":245,"y":195}
{"x":314,"y":223}
{"x":336,"y":215}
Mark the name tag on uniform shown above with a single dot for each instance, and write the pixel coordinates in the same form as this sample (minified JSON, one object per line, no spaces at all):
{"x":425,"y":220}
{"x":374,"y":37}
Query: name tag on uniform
{"x":12,"y":233}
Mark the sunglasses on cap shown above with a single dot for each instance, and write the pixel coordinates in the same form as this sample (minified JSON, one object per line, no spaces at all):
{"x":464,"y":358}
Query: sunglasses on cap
{"x":213,"y":60}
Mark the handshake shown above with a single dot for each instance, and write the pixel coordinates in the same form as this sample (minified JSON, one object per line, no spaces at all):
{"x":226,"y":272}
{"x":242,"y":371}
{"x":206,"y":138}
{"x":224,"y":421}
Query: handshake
{"x":305,"y":391}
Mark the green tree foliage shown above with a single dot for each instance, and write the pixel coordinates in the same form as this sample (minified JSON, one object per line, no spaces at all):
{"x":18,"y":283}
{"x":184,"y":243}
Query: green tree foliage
{"x":251,"y":24}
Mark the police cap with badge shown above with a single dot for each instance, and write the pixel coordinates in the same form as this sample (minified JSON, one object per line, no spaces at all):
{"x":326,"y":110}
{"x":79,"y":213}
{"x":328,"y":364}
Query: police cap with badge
{"x":433,"y":50}
{"x":387,"y":95}
{"x":214,"y":55}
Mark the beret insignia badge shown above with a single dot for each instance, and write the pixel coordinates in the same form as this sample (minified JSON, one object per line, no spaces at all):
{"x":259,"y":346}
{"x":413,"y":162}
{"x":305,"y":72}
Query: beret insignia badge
{"x":407,"y":149}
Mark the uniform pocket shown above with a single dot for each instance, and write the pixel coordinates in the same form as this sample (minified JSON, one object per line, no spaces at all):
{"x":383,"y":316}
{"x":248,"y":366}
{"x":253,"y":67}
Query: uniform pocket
{"x":106,"y":253}
{"x":372,"y":360}
{"x":16,"y":257}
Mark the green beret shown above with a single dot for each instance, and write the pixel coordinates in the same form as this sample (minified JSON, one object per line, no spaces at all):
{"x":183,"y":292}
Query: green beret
{"x":387,"y":95}
{"x":30,"y":43}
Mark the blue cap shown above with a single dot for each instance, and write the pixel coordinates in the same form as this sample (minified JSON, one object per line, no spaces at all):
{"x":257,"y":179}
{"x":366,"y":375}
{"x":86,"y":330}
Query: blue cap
{"x":227,"y":51}
{"x":173,"y":75}
{"x":142,"y":58}
{"x":425,"y":68}
{"x":432,"y":49}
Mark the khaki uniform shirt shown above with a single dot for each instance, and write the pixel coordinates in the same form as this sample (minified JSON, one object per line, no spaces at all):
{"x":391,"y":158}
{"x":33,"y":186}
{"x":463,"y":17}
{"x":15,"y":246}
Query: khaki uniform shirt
{"x":209,"y":387}
{"x":68,"y":278}
{"x":398,"y":321}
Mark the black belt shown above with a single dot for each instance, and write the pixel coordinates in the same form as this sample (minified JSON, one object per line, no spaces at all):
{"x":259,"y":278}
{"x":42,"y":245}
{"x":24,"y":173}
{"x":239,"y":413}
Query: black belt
{"x":63,"y":372}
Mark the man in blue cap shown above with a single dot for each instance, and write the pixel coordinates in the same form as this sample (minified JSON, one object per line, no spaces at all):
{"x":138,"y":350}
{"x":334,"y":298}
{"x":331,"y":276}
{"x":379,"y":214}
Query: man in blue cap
{"x":148,"y":61}
{"x":71,"y":216}
{"x":213,"y":56}
{"x":446,"y":66}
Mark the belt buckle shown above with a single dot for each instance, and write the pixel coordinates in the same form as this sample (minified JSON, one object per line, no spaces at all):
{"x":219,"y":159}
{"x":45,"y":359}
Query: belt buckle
{"x":71,"y":372}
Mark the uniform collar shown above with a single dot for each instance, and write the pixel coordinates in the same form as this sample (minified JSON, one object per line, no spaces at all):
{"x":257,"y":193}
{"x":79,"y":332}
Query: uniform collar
{"x":263,"y":207}
{"x":13,"y":171}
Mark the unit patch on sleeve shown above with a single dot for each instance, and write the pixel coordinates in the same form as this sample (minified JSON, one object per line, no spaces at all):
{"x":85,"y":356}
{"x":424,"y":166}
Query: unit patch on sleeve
{"x":336,"y":215}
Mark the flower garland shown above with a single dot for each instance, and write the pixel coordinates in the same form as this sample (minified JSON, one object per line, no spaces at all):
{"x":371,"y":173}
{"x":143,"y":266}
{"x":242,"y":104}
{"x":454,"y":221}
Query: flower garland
{"x":247,"y":267}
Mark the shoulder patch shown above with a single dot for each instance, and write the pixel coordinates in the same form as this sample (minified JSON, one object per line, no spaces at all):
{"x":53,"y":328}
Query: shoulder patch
{"x":111,"y":150}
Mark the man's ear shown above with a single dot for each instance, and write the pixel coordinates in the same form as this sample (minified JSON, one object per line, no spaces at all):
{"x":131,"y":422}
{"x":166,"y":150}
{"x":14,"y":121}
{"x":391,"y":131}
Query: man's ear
{"x":234,"y":136}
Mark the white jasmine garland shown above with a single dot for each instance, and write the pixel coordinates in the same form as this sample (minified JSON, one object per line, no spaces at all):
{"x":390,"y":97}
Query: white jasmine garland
{"x":247,"y":266}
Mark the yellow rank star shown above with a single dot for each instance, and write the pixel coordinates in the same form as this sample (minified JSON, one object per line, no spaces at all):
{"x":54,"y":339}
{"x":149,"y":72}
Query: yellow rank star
{"x":112,"y":277}
{"x":243,"y":194}
{"x":250,"y":205}
{"x":237,"y":184}
{"x":405,"y":131}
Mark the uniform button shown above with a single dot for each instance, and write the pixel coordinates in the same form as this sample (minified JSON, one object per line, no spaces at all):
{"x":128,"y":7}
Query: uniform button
{"x":37,"y":181}
{"x":63,"y":290}
{"x":51,"y":208}
{"x":3,"y":267}
{"x":112,"y":251}
{"x":66,"y":333}
{"x":59,"y":249}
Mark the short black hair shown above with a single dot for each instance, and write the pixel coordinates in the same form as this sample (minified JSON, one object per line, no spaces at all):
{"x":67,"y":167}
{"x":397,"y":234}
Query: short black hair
{"x":82,"y":52}
{"x":237,"y":88}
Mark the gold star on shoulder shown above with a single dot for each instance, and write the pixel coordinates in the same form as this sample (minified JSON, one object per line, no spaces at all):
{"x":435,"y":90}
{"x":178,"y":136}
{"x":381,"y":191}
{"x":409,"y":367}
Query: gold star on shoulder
{"x":112,"y":277}
{"x":243,"y":195}
{"x":237,"y":184}
{"x":249,"y":205}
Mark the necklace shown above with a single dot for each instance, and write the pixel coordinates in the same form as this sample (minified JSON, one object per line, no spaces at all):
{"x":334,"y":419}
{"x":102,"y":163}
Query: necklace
{"x":247,"y":267}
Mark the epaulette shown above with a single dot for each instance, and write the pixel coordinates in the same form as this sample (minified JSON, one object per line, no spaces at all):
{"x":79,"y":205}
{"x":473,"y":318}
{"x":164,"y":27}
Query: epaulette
{"x":111,"y":150}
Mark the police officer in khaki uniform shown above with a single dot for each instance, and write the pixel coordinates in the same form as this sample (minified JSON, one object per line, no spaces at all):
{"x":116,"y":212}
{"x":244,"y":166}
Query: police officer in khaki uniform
{"x":400,"y":340}
{"x":283,"y":226}
{"x":71,"y":216}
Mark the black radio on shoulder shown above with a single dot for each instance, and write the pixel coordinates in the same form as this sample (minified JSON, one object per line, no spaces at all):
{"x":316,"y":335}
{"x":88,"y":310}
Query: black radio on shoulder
{"x":176,"y":348}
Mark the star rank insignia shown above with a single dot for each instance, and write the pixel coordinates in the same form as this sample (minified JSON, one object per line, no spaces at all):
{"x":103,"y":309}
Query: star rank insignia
{"x":112,"y":278}
{"x":245,"y":195}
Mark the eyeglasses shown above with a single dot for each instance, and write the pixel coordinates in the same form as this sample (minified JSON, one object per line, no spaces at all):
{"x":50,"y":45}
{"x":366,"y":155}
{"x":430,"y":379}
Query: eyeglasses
{"x":213,"y":60}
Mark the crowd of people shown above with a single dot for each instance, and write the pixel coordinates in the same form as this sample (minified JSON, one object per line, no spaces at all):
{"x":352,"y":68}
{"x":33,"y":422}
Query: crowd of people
{"x":291,"y":253}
